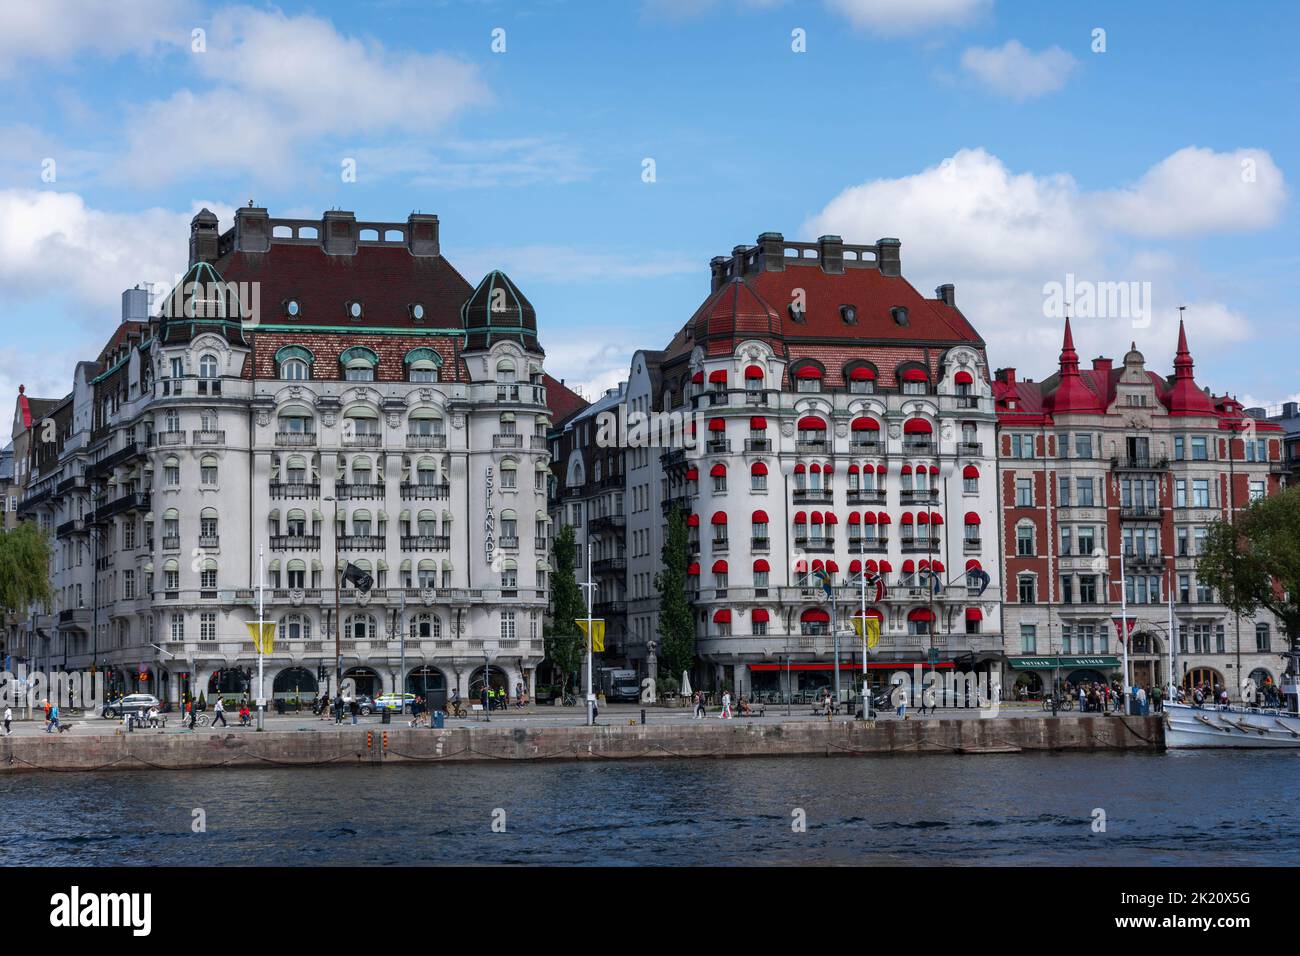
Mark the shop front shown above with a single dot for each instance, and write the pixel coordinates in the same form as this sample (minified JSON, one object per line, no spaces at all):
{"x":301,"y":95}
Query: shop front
{"x":1035,"y":675}
{"x":806,"y":681}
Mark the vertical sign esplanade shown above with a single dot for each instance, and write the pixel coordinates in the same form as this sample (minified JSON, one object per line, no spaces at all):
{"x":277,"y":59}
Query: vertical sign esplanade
{"x":489,"y":520}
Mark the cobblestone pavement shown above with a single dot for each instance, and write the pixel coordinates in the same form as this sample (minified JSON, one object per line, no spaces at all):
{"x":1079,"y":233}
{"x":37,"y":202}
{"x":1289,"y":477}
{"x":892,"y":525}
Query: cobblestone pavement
{"x":611,"y":714}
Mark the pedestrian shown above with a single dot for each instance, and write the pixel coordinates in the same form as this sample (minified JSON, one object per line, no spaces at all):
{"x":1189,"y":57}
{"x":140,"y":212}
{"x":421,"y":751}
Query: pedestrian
{"x":519,"y":693}
{"x":9,"y":716}
{"x":338,"y":708}
{"x":219,"y":712}
{"x":900,"y":699}
{"x":699,"y":704}
{"x":188,"y":719}
{"x":46,"y":704}
{"x":501,"y":699}
{"x":54,"y":718}
{"x":726,"y":706}
{"x":354,"y":707}
{"x":485,"y":698}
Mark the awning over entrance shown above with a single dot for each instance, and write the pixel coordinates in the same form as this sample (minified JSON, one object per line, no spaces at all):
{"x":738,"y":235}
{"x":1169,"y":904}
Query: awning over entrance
{"x":852,"y":665}
{"x":1041,"y":663}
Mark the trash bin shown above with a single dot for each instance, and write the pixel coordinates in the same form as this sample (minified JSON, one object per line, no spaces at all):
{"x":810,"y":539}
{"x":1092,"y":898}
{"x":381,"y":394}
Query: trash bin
{"x":439,"y":719}
{"x":386,"y":716}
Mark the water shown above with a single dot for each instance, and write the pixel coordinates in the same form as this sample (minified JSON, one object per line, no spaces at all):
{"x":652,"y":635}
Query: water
{"x":1193,"y":808}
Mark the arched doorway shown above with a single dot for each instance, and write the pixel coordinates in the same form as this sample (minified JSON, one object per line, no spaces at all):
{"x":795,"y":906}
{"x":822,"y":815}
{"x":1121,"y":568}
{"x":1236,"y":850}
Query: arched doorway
{"x":1208,"y":677}
{"x":294,"y":683}
{"x":365,"y":681}
{"x":1028,"y":684}
{"x":1262,"y":687}
{"x":229,"y":682}
{"x":429,"y":683}
{"x":1146,"y":660}
{"x":496,"y":680}
{"x":1085,"y":676}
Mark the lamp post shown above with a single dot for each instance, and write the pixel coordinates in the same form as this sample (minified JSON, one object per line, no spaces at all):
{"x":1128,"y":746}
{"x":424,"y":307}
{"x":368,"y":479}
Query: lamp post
{"x":338,"y":643}
{"x":261,"y":641}
{"x":590,"y":587}
{"x":401,"y":632}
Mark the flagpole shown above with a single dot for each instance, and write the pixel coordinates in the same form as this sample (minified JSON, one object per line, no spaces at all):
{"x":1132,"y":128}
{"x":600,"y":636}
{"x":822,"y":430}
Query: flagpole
{"x":261,"y":640}
{"x":1173,"y":687}
{"x":590,"y":589}
{"x":1123,"y":624}
{"x":862,"y":580}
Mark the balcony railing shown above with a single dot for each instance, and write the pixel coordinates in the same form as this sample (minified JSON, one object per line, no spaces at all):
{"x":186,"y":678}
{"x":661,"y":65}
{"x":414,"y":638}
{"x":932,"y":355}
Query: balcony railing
{"x":914,"y":447}
{"x":677,"y":501}
{"x":209,"y":436}
{"x":865,"y":447}
{"x":359,"y":490}
{"x":508,"y":542}
{"x":811,"y":447}
{"x":815,"y":545}
{"x":720,"y":545}
{"x":914,"y":545}
{"x":507,"y":441}
{"x":718,"y":446}
{"x":608,"y":522}
{"x":866,"y":496}
{"x":758,"y":444}
{"x":760,"y":544}
{"x":426,"y":542}
{"x":296,"y":439}
{"x":209,"y":541}
{"x":608,"y":565}
{"x":973,"y":449}
{"x":76,"y":525}
{"x":814,"y":494}
{"x":1139,"y":463}
{"x":363,"y":440}
{"x":295,"y":542}
{"x":172,"y":543}
{"x":426,"y":441}
{"x":918,"y":494}
{"x":410,"y":490}
{"x":361,"y":542}
{"x":293,"y":489}
{"x":1139,"y":513}
{"x":169,"y":438}
{"x":970,"y":544}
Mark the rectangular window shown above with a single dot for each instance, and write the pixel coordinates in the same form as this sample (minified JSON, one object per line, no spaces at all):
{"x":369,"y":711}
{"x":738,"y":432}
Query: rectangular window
{"x":1180,"y":493}
{"x":1184,"y":589}
{"x":1024,"y":541}
{"x":178,"y":627}
{"x":1082,"y":446}
{"x":1201,"y":493}
{"x":1024,"y":492}
{"x":1026,"y":589}
{"x":1028,"y":639}
{"x":1086,"y":540}
{"x":507,"y":625}
{"x":128,"y":584}
{"x":208,"y":626}
{"x":1256,"y":490}
{"x":1084,"y":487}
{"x":1067,"y":589}
{"x":1066,"y":541}
{"x":1261,"y":636}
{"x":1063,"y":495}
{"x":1220,"y":646}
{"x":1199,"y":451}
{"x":1087,"y":589}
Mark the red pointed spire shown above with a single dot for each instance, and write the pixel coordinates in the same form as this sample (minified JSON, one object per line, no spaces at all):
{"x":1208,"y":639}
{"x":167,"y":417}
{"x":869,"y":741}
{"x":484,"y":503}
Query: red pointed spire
{"x":1183,"y":358}
{"x":1069,"y":357}
{"x":1183,"y":397}
{"x":1071,"y":394}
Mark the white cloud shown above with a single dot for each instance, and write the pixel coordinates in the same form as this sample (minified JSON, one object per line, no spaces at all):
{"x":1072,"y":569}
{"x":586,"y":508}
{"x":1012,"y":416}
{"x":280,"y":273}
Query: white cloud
{"x":280,"y":85}
{"x":911,"y":16}
{"x":1018,"y":72}
{"x":59,"y":30}
{"x":587,"y":367}
{"x":1000,"y":236}
{"x":1197,"y":190}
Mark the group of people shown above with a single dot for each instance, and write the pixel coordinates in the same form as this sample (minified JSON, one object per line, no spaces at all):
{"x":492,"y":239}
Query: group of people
{"x":699,"y":702}
{"x":499,"y":699}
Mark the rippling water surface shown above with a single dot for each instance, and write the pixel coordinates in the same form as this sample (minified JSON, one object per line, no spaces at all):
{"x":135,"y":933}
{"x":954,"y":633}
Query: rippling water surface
{"x":1178,"y":808}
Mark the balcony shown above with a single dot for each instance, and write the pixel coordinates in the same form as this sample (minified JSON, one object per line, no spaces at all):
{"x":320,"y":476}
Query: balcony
{"x":295,"y":542}
{"x":410,"y":490}
{"x":871,"y":447}
{"x":608,"y":608}
{"x":677,"y":501}
{"x":426,"y":542}
{"x":719,"y":545}
{"x":970,"y":449}
{"x":914,"y":447}
{"x":169,"y":438}
{"x":921,"y":545}
{"x":541,"y":545}
{"x":609,"y":565}
{"x":363,"y":440}
{"x":758,"y":444}
{"x":1144,"y":560}
{"x":75,"y":526}
{"x":361,"y":542}
{"x":359,"y":491}
{"x":209,"y":541}
{"x":208,"y":436}
{"x":106,"y":464}
{"x":508,"y":542}
{"x":426,"y":441}
{"x":818,"y":446}
{"x":760,"y":544}
{"x":516,"y":394}
{"x":970,"y":545}
{"x":918,"y":494}
{"x":171,"y":543}
{"x":507,"y":441}
{"x":1139,"y":463}
{"x":295,"y":439}
{"x":293,"y":489}
{"x":866,"y":496}
{"x":1139,"y":513}
{"x":816,"y":545}
{"x":814,"y":495}
{"x":607,"y":523}
{"x":755,"y":397}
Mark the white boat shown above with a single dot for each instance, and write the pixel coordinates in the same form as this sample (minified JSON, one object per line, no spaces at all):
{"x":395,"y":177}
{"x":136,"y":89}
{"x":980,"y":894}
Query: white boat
{"x":1238,"y":727}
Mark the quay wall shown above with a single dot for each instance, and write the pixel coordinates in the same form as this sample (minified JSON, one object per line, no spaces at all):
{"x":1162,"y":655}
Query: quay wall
{"x":483,"y":742}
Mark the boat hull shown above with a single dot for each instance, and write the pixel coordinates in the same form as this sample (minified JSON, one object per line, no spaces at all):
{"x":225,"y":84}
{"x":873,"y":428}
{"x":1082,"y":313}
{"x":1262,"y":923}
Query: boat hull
{"x":1230,"y":727}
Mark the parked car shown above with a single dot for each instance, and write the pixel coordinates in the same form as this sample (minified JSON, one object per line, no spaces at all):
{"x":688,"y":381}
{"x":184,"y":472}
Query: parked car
{"x":130,"y":704}
{"x":365,"y":704}
{"x":393,"y":702}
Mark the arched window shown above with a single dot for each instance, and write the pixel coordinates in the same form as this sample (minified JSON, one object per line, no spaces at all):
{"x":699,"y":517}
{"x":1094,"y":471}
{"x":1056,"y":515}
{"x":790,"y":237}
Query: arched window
{"x":426,"y":472}
{"x":425,"y":423}
{"x":208,"y":366}
{"x":359,"y":364}
{"x":506,"y":372}
{"x":208,"y":470}
{"x":293,"y":370}
{"x":295,"y":470}
{"x":294,"y":420}
{"x":426,"y":626}
{"x":294,"y":627}
{"x":509,"y":473}
{"x":172,"y":472}
{"x":297,"y":573}
{"x":422,"y":365}
{"x":294,"y":362}
{"x":360,"y":627}
{"x":208,"y":528}
{"x":362,"y":422}
{"x":807,"y":376}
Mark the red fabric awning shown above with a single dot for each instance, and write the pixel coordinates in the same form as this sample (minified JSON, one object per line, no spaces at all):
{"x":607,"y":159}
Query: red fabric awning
{"x":801,"y":566}
{"x":853,"y":469}
{"x":923,"y":565}
{"x":909,"y":566}
{"x":801,"y":517}
{"x":758,"y":468}
{"x":760,"y":517}
{"x":923,"y":517}
{"x":697,"y":378}
{"x":884,"y":517}
{"x":761,"y":565}
{"x":855,"y":518}
{"x":718,"y":375}
{"x":692,"y":474}
{"x":907,"y":517}
{"x":972,"y":518}
{"x":917,"y":426}
{"x":753,"y":371}
{"x":915,"y":375}
{"x":719,"y":517}
{"x":808,"y":371}
{"x":862,"y":374}
{"x":718,"y":471}
{"x":800,"y":468}
{"x":815,"y":468}
{"x":970,"y":471}
{"x":921,"y":614}
{"x":868,"y":517}
{"x":905,"y":470}
{"x":870,"y":612}
{"x":722,"y":616}
{"x":815,"y":615}
{"x":719,"y":567}
{"x":963,"y":378}
{"x":936,"y":518}
{"x":692,"y":521}
{"x":759,"y":615}
{"x":816,"y":517}
{"x":866,"y":425}
{"x":937,"y":566}
{"x":831,"y":519}
{"x":934,"y":469}
{"x":880,"y":469}
{"x":832,"y":567}
{"x":810,"y":423}
{"x":717,"y":425}
{"x":693,"y":568}
{"x":973,"y":565}
{"x":974,"y":614}
{"x":886,"y":567}
{"x":758,"y":424}
{"x":855,"y":566}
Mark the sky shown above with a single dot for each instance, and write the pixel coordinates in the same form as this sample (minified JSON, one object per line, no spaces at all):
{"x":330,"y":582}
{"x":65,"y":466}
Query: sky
{"x":601,"y":153}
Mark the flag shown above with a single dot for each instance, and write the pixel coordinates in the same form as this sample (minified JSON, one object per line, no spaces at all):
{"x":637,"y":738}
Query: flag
{"x":872,"y":627}
{"x":872,"y":579}
{"x":825,"y":579}
{"x":357,"y":578}
{"x":980,"y":575}
{"x":935,"y":582}
{"x":597,"y":637}
{"x":265,"y":642}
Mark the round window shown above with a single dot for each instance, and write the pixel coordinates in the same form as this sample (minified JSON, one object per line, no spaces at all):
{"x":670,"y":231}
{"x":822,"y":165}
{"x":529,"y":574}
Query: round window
{"x":292,"y":307}
{"x":417,"y":310}
{"x":355,"y":310}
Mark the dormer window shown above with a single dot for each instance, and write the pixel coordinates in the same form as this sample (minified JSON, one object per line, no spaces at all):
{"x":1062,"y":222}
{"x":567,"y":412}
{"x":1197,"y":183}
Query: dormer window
{"x":417,"y":311}
{"x":354,"y":310}
{"x":797,"y":313}
{"x":899,"y":313}
{"x":292,"y":308}
{"x":849,"y":314}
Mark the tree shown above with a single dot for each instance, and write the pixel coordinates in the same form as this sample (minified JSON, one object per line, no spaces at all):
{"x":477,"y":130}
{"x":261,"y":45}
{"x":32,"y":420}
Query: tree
{"x":24,"y":568}
{"x":1254,"y":561}
{"x":676,"y":615}
{"x":564,"y":642}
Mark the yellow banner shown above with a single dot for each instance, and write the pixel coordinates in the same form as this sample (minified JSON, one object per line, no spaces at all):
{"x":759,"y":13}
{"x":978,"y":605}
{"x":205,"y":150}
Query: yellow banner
{"x":597,"y":638}
{"x":873,"y":630}
{"x":265,"y":642}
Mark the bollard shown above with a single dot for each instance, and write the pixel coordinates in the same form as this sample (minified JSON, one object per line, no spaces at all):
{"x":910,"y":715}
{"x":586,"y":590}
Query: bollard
{"x":643,"y":715}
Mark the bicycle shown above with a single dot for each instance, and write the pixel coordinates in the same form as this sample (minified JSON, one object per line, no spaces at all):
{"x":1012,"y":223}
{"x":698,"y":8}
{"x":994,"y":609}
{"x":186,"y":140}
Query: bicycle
{"x":569,"y":700}
{"x":456,"y":710}
{"x":1065,"y":703}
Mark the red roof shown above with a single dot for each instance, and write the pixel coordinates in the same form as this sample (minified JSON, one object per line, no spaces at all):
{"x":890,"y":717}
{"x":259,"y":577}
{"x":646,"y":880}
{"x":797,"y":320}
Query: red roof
{"x":561,"y":400}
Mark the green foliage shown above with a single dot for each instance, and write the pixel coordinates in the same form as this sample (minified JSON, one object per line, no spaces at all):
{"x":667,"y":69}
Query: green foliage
{"x":1255,"y":562}
{"x":565,"y":646}
{"x":24,"y":568}
{"x":676,"y":616}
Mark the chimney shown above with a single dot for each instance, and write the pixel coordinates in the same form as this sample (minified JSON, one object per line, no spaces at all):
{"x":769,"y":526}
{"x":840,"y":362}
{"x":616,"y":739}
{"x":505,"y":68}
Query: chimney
{"x":738,"y":260}
{"x":830,"y":255}
{"x":888,"y":260}
{"x":252,"y":229}
{"x":771,"y":247}
{"x":1101,"y":365}
{"x":1007,"y":376}
{"x":1291,"y":409}
{"x":718,"y":272}
{"x":422,"y":234}
{"x":203,"y":237}
{"x":338,"y":230}
{"x":947,"y":294}
{"x":135,"y":305}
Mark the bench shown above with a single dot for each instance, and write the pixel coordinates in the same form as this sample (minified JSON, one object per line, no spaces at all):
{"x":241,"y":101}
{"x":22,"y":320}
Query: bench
{"x":756,"y":709}
{"x":819,"y":708}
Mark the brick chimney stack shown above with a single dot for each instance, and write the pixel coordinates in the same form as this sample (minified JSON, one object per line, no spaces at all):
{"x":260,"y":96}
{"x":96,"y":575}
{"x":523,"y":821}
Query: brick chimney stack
{"x":338,"y":231}
{"x":422,"y":234}
{"x":888,"y":257}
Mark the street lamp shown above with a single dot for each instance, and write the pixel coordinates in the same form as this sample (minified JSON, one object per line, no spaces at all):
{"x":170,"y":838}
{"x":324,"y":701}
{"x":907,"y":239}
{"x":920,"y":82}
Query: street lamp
{"x":338,"y":644}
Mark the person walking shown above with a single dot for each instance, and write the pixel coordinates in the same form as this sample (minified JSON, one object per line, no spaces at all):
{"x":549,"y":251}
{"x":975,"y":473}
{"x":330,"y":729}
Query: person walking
{"x":900,"y":697}
{"x":219,"y":712}
{"x":519,"y":694}
{"x":699,"y":705}
{"x":9,"y":716}
{"x":355,"y":709}
{"x":338,"y":708}
{"x":54,"y":718}
{"x":726,"y":706}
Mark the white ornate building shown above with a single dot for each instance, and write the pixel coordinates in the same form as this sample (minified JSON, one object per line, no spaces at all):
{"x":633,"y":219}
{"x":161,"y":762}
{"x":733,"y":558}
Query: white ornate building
{"x":319,"y":392}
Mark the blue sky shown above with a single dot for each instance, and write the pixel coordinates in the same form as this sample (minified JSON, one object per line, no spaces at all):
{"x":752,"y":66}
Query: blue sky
{"x":990,"y":137}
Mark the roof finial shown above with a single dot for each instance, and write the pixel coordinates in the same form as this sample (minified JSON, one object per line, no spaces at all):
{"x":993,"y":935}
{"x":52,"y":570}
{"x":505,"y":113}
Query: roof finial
{"x":22,"y":389}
